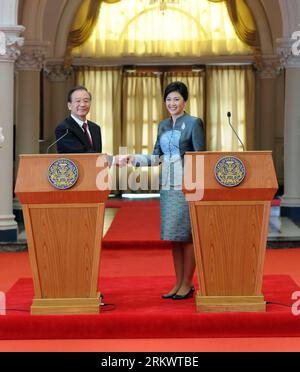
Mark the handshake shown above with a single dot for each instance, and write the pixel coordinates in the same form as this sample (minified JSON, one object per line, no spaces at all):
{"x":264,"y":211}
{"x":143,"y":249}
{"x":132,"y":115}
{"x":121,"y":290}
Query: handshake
{"x":123,"y":160}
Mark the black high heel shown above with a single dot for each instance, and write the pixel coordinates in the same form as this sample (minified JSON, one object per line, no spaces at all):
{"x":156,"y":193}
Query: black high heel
{"x":184,"y":297}
{"x":168,"y":295}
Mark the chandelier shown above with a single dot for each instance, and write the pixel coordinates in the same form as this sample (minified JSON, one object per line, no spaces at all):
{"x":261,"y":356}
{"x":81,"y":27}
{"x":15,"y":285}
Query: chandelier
{"x":163,"y":3}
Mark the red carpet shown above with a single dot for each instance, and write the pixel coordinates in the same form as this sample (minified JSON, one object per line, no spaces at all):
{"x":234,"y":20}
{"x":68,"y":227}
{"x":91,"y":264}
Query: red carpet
{"x":276,"y":202}
{"x":120,"y":203}
{"x":140,"y":313}
{"x":136,"y":224}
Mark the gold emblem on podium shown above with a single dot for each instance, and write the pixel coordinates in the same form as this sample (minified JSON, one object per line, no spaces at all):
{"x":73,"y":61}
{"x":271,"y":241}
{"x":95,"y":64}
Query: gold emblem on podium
{"x":63,"y":174}
{"x":230,"y":171}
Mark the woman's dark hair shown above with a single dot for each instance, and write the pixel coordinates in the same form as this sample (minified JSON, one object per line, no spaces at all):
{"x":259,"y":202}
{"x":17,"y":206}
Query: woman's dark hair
{"x":75,"y":89}
{"x":177,"y":86}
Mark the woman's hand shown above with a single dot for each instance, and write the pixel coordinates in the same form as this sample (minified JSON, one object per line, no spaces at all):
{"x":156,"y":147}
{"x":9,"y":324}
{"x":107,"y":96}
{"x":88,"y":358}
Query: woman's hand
{"x":123,"y":160}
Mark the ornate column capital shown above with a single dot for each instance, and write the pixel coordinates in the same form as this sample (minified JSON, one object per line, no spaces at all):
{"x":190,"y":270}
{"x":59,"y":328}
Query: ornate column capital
{"x":269,"y":67}
{"x":10,"y":43}
{"x":33,"y":56}
{"x":56,"y":71}
{"x":289,"y":51}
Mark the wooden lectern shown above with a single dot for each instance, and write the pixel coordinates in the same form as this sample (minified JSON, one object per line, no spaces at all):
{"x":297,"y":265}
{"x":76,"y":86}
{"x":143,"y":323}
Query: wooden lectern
{"x":230,"y":228}
{"x":64,"y":233}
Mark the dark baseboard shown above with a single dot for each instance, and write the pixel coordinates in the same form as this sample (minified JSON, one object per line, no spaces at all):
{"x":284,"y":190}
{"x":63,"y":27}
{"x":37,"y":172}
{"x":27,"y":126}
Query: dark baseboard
{"x":9,"y":236}
{"x":291,"y":212}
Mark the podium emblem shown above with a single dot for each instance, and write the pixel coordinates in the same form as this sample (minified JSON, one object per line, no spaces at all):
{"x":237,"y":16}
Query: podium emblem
{"x":63,"y":174}
{"x":230,"y":171}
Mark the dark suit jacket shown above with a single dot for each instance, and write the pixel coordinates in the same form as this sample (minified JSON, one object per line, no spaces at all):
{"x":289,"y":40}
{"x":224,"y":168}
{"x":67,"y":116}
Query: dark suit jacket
{"x":76,"y":141}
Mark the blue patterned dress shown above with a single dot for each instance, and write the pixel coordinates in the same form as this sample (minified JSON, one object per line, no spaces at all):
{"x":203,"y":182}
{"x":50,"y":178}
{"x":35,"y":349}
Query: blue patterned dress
{"x":174,"y":210}
{"x":172,"y":142}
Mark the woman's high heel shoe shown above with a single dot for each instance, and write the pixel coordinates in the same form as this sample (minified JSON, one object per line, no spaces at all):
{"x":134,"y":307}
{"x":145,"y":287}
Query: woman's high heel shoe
{"x":184,"y":297}
{"x":168,"y":295}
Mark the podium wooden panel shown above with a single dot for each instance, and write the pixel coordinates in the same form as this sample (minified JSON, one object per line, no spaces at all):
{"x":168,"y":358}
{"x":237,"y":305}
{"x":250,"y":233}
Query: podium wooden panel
{"x":64,"y":233}
{"x":230,"y":228}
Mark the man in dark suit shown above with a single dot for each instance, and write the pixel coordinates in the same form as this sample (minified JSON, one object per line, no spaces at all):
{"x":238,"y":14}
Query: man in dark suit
{"x":76,"y":134}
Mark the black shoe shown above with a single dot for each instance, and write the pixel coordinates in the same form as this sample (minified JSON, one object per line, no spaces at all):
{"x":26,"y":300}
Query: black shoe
{"x":184,"y":297}
{"x":168,"y":295}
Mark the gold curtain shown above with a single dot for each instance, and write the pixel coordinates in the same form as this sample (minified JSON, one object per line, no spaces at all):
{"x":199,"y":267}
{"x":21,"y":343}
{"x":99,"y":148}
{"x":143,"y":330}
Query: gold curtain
{"x":230,"y":88}
{"x":84,"y":24}
{"x":142,"y":110}
{"x":136,"y":28}
{"x":195,"y":81}
{"x":105,"y":87}
{"x":243,"y":21}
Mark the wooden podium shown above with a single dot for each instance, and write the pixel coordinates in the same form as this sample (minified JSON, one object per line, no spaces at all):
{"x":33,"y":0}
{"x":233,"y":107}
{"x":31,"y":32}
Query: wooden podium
{"x":230,"y":228}
{"x":64,"y":233}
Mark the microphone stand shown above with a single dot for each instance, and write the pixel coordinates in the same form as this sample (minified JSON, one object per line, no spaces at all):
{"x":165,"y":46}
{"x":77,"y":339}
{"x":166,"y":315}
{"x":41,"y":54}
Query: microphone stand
{"x":229,"y":121}
{"x":54,"y":143}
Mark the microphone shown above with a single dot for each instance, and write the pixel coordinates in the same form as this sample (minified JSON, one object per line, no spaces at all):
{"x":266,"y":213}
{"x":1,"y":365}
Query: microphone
{"x":229,"y":122}
{"x":60,"y":138}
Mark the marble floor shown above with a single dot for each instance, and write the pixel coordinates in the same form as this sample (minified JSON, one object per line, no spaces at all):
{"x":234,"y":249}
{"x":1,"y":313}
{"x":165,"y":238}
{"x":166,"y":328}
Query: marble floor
{"x":283,"y":232}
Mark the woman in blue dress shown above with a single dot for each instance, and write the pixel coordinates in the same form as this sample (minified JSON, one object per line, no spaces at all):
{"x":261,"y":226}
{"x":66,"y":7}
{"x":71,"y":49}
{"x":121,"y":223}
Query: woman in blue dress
{"x":176,"y":135}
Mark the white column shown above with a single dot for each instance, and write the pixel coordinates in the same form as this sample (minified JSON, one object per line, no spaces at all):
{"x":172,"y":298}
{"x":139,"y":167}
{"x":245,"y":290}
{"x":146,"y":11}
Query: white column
{"x":2,"y":138}
{"x":290,"y":11}
{"x":290,"y":205}
{"x":9,"y":12}
{"x":11,"y":51}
